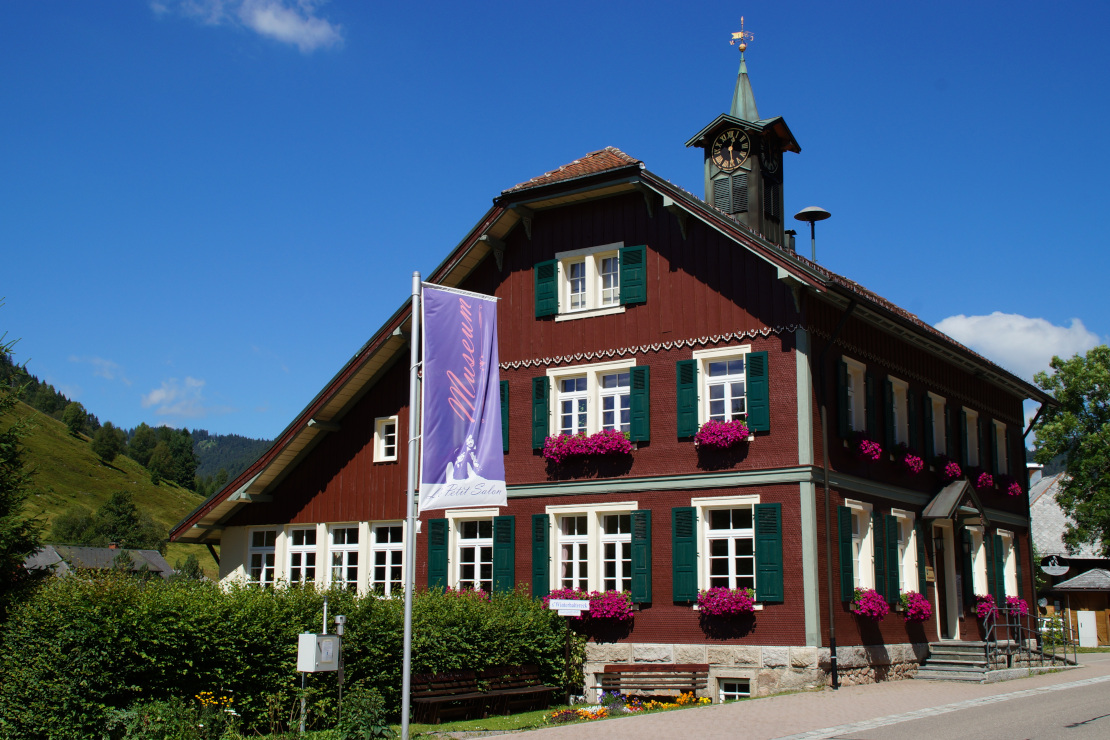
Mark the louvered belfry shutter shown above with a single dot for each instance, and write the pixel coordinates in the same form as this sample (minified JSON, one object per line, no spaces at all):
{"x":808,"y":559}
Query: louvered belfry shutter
{"x":847,"y":566}
{"x":739,"y":202}
{"x":505,"y":415}
{"x":929,"y":438}
{"x":639,"y":427}
{"x":541,"y":556}
{"x":641,"y":556}
{"x":759,"y":392}
{"x":878,"y":534}
{"x":540,"y":392}
{"x":769,"y":584}
{"x":893,"y":566}
{"x":888,"y":415}
{"x":684,"y":554}
{"x":633,"y":275}
{"x":547,"y":288}
{"x":687,"y":394}
{"x":437,"y":553}
{"x":922,"y":577}
{"x":844,"y":409}
{"x":504,"y":553}
{"x":721,"y":194}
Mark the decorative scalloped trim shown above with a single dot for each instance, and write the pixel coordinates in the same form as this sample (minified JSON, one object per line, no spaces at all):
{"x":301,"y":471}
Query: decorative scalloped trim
{"x":765,"y":331}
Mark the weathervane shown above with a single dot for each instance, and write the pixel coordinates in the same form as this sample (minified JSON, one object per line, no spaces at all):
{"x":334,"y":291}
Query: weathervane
{"x":741,"y":36}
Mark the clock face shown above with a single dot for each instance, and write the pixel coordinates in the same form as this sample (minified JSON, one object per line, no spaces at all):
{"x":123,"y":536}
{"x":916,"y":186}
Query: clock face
{"x":730,"y":149}
{"x":770,"y":161}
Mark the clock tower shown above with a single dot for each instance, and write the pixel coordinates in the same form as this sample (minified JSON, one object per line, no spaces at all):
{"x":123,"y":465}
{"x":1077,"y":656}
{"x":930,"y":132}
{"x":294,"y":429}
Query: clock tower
{"x":743,"y":158}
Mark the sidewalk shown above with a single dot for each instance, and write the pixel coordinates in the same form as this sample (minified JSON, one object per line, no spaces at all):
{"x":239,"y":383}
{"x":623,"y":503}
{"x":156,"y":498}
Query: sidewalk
{"x":794,"y":714}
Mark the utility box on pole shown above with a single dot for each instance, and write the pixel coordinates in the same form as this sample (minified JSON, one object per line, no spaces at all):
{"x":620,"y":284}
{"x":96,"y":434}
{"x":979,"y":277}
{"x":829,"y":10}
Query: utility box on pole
{"x":316,"y":653}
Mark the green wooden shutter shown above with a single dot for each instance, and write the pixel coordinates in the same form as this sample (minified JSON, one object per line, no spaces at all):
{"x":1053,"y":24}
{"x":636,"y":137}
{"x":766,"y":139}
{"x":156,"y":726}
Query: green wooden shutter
{"x":1015,"y":454}
{"x":541,"y":556}
{"x":687,"y":374}
{"x":1017,"y":566}
{"x":888,"y":415}
{"x":540,"y":395}
{"x":999,"y":571}
{"x":968,"y":568}
{"x":847,"y":567}
{"x":980,"y":447}
{"x":949,"y":432}
{"x":641,"y":556}
{"x":437,"y":553}
{"x":504,"y":553}
{"x":994,"y":448}
{"x":930,"y":437}
{"x":768,"y":553}
{"x":871,"y":409}
{"x":547,"y":288}
{"x":965,"y":453}
{"x":633,"y":269}
{"x":759,"y":393}
{"x":878,"y":536}
{"x":639,"y":428}
{"x":922,"y":580}
{"x":893,"y":564}
{"x":914,"y":440}
{"x":505,"y":415}
{"x":844,"y":410}
{"x":684,"y":554}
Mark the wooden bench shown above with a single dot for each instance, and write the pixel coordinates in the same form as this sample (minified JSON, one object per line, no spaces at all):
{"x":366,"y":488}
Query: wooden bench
{"x":658,"y":678}
{"x":466,"y":694}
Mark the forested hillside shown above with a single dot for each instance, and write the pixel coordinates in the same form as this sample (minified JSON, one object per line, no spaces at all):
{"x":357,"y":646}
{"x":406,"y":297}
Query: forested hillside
{"x":229,"y":452}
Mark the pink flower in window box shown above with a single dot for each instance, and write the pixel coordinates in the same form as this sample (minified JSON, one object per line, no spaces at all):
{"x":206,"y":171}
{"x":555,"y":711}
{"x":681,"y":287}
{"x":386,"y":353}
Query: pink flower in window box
{"x":720,"y":601}
{"x":720,"y":435}
{"x":915,"y":607}
{"x":1017,"y":604}
{"x":608,"y":442}
{"x":869,"y":603}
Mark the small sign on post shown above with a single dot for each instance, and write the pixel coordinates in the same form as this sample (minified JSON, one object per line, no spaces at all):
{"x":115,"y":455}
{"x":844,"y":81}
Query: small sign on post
{"x":568,"y":608}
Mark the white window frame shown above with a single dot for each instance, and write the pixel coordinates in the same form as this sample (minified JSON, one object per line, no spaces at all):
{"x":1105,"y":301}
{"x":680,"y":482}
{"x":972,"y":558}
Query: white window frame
{"x":345,"y":550}
{"x":591,"y":258}
{"x":579,"y":560}
{"x":971,"y":430}
{"x":306,"y":551}
{"x":1002,"y":462}
{"x":595,"y":538}
{"x":741,"y":693}
{"x":863,"y":569}
{"x":271,"y":550}
{"x":390,"y":550}
{"x":899,"y":390}
{"x":381,"y":448}
{"x":705,"y":356}
{"x":940,"y":441}
{"x":703,"y":506}
{"x":455,"y":518}
{"x":618,"y":540}
{"x":1009,"y":563}
{"x":907,"y":544}
{"x":857,"y":395}
{"x":593,"y":375}
{"x":979,"y":562}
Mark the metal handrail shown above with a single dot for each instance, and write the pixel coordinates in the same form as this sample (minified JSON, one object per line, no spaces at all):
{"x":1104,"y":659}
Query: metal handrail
{"x":1022,"y":634}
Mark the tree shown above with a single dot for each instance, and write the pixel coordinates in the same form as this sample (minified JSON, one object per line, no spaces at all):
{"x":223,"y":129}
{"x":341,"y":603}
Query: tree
{"x":117,"y":521}
{"x":108,"y":442}
{"x":74,"y":417}
{"x":160,"y":464}
{"x":141,"y":444}
{"x":1079,"y":428}
{"x":19,"y":533}
{"x":189,"y":571}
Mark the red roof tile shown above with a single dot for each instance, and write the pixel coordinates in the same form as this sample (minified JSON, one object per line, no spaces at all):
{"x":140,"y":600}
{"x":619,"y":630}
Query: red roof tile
{"x":609,"y":158}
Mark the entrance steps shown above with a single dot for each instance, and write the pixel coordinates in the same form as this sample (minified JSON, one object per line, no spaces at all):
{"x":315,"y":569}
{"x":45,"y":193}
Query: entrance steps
{"x":955,"y":661}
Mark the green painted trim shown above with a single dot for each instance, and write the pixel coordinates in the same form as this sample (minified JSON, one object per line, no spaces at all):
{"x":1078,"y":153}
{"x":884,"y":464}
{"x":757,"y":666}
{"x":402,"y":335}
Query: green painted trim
{"x":810,"y":593}
{"x":666,"y":483}
{"x":805,"y":398}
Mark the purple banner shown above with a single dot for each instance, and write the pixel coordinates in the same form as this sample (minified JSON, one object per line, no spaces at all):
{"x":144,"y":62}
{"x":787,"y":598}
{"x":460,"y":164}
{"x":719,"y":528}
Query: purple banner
{"x":461,"y":459}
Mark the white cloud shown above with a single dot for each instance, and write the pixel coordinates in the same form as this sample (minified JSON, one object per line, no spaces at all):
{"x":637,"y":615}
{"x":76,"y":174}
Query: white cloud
{"x":175,"y":398}
{"x":1022,"y":345}
{"x":103,"y":368}
{"x":294,"y":22}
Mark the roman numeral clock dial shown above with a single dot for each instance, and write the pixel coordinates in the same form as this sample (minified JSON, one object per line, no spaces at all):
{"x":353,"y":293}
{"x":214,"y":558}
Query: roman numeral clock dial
{"x":730,"y":149}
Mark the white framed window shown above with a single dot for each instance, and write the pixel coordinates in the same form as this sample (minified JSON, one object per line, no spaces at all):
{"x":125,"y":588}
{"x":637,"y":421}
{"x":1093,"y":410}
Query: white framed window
{"x":907,"y":549}
{"x":262,"y":556}
{"x":302,"y":555}
{"x":475,"y":554}
{"x":978,"y":561}
{"x":726,"y":541}
{"x":581,"y":532}
{"x":723,"y":392}
{"x":589,"y":281}
{"x":1002,"y":461}
{"x":590,"y":398}
{"x":971,"y":434}
{"x":899,"y":394}
{"x":940,"y":441}
{"x":343,"y":548}
{"x":387,"y":557}
{"x":857,"y":398}
{"x":385,"y":439}
{"x":1009,"y":563}
{"x":731,"y":689}
{"x":863,"y":545}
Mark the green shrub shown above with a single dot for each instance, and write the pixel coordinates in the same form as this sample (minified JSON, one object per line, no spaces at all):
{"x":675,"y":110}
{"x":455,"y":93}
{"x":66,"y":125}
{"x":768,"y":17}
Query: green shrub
{"x":364,"y":716}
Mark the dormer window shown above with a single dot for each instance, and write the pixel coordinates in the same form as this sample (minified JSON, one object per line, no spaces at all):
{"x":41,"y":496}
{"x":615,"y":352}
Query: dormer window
{"x":594,"y":281}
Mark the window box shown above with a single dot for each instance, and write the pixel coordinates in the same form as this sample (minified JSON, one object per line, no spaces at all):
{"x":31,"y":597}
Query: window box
{"x":868,"y":449}
{"x":915,"y":607}
{"x":732,"y":602}
{"x":608,"y":605}
{"x":563,"y":446}
{"x":948,"y":468}
{"x":869,"y":603}
{"x":720,"y":435}
{"x":911,"y":461}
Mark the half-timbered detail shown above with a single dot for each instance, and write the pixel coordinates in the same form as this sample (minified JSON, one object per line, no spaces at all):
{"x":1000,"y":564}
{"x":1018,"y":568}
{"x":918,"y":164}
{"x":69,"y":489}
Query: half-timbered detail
{"x":692,"y":326}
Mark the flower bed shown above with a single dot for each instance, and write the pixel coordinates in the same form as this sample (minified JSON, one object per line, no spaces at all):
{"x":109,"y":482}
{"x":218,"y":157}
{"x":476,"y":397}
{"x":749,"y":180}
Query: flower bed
{"x":1017,"y":604}
{"x":722,"y":601}
{"x":610,"y":442}
{"x":915,"y":607}
{"x":720,"y":435}
{"x":868,"y":602}
{"x":615,"y":605}
{"x":984,"y":605}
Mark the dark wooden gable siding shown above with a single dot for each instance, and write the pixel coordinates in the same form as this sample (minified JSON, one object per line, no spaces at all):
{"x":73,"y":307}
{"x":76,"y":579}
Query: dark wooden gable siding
{"x":338,"y":481}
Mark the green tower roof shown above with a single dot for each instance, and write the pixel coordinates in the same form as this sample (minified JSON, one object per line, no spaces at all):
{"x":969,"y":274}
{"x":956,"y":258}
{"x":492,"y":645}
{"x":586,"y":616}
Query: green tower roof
{"x":743,"y":99}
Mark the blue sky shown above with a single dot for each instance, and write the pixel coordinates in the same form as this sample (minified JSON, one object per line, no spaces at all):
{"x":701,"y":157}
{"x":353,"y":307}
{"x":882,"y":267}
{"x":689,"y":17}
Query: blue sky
{"x":207,"y":206}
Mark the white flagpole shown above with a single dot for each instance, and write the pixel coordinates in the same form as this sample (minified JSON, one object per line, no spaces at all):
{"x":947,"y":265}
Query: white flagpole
{"x":410,"y":531}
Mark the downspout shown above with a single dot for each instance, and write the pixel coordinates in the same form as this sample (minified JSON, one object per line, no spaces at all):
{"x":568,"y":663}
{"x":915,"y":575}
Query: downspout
{"x":1029,"y":505}
{"x":819,"y":377}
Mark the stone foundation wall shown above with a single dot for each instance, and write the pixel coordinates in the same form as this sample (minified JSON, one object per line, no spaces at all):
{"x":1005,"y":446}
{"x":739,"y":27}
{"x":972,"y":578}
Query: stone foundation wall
{"x":768,"y":669}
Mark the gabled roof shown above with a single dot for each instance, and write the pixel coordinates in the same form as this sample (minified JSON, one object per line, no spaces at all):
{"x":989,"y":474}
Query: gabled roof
{"x":777,"y":124}
{"x":1096,"y":579}
{"x":1048,"y":520}
{"x":64,"y":559}
{"x":599,"y":174}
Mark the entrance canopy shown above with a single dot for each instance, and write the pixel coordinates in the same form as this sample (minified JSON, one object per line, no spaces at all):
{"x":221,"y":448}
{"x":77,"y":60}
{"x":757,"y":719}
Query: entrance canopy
{"x":955,"y":498}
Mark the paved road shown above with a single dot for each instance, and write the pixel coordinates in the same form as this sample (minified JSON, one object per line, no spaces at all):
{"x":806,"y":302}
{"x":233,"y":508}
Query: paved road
{"x":1072,"y":704}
